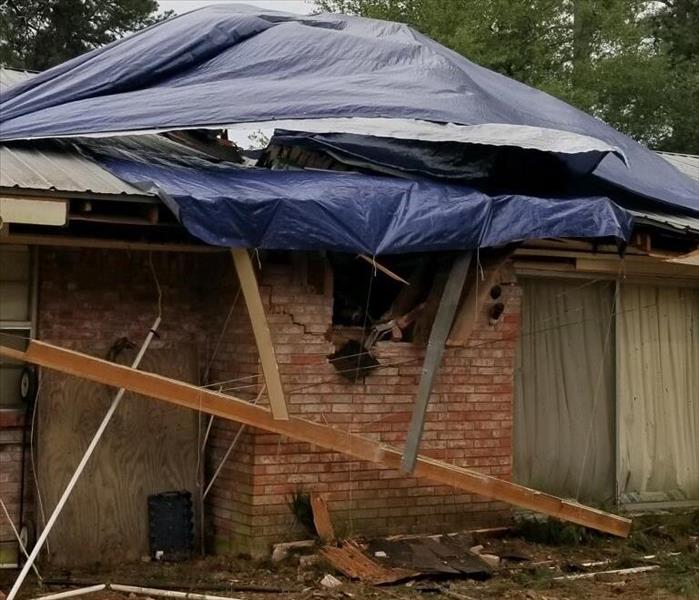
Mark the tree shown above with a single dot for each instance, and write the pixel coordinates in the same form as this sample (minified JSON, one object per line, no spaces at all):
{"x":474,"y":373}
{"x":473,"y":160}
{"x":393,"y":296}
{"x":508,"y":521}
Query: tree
{"x":677,"y":31}
{"x":38,"y":34}
{"x":632,"y":63}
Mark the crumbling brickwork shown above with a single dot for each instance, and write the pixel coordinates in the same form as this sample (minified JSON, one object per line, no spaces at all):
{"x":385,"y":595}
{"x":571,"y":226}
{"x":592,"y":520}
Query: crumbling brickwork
{"x":469,"y":423}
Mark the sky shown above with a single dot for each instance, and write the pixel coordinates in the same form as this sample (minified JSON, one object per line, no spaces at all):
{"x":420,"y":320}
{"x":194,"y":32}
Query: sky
{"x":294,"y":6}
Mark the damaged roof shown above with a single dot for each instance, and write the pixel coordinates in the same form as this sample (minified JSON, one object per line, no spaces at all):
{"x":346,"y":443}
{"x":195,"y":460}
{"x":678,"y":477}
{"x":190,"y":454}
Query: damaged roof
{"x":271,"y":65}
{"x":52,"y":166}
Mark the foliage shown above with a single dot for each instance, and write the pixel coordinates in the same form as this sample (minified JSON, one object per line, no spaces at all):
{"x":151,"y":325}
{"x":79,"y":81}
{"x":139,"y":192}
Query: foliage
{"x":38,"y":34}
{"x":632,"y":63}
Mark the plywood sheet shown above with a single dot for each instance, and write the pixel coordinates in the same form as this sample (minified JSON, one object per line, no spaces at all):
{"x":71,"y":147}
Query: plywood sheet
{"x":149,"y":447}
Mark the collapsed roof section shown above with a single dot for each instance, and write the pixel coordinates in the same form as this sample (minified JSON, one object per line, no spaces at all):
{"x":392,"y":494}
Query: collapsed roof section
{"x":224,"y":65}
{"x":225,"y":204}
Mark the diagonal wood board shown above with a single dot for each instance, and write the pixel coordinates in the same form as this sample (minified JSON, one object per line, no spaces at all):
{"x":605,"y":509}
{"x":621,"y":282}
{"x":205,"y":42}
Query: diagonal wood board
{"x":229,"y":407}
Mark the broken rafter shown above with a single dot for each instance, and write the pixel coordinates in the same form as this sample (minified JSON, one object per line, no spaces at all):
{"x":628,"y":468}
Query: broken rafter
{"x":384,"y":270}
{"x":324,"y":436}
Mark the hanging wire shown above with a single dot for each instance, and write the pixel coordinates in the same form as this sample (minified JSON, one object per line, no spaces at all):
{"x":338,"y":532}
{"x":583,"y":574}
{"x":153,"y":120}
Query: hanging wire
{"x":32,"y":456}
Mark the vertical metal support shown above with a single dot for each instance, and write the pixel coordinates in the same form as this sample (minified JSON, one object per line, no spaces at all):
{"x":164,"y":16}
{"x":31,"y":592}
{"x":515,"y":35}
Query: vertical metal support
{"x":433,"y":357}
{"x":263,"y":337}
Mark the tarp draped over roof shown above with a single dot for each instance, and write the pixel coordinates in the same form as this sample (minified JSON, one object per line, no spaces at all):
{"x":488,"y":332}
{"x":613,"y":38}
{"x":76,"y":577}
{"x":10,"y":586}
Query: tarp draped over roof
{"x":227,"y":64}
{"x":227,"y":205}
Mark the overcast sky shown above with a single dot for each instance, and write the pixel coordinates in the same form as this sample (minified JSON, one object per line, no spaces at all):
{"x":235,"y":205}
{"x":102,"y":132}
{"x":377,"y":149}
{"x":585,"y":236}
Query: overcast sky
{"x":295,"y":6}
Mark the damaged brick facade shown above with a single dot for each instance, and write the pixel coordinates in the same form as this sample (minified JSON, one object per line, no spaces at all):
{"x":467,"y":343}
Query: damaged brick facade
{"x":89,"y":297}
{"x":469,"y":423}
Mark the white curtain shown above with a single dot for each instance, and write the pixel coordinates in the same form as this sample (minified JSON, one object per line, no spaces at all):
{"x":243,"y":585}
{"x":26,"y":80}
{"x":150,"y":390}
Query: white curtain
{"x":564,"y":401}
{"x":658,"y":362}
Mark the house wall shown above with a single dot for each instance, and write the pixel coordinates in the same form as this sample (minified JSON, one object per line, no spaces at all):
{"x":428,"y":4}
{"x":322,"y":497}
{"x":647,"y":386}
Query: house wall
{"x":469,"y":423}
{"x":89,"y":298}
{"x":11,"y":423}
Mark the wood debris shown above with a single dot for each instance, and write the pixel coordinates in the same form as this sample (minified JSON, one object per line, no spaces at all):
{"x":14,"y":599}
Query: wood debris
{"x":321,"y":518}
{"x":349,"y":558}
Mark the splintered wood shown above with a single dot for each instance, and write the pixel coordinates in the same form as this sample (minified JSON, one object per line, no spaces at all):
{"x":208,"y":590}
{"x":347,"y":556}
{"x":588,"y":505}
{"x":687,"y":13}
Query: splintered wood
{"x":350,"y":560}
{"x":323,"y":436}
{"x":321,"y":518}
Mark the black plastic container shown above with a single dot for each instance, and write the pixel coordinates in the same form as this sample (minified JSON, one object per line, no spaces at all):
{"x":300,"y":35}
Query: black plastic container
{"x":170,"y":528}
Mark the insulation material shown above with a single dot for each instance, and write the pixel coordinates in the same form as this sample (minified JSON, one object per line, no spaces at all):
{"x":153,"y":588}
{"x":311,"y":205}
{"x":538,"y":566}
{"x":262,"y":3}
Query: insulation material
{"x":658,"y":363}
{"x":564,"y":400}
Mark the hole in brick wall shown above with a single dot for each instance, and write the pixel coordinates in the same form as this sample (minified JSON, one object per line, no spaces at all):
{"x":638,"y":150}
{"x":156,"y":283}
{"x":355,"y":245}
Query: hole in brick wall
{"x":390,"y":309}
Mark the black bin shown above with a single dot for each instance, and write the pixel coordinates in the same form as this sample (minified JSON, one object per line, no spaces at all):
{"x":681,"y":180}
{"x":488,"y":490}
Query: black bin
{"x":170,"y":525}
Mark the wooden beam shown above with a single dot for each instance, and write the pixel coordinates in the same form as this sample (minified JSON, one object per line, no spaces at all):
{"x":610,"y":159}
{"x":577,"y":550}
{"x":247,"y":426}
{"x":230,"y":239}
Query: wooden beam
{"x":260,"y":327}
{"x":108,"y":244}
{"x":433,"y":357}
{"x":324,"y":436}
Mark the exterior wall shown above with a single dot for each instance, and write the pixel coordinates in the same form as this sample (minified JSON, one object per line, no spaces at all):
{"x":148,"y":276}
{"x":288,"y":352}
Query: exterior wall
{"x":469,"y":423}
{"x":89,"y":298}
{"x":11,"y":423}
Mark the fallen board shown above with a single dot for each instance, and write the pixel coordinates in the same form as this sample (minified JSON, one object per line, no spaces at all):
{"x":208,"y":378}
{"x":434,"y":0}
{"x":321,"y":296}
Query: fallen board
{"x":148,"y":448}
{"x":321,"y":518}
{"x":324,"y":436}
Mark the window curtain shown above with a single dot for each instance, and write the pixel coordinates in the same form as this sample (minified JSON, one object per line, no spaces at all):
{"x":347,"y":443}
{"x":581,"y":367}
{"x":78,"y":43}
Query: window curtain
{"x":565,"y":389}
{"x":658,"y":362}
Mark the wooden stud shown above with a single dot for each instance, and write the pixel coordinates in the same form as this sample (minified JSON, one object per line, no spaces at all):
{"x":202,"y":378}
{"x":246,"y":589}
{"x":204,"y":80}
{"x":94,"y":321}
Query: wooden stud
{"x":260,"y":327}
{"x":433,"y":357}
{"x":324,"y":436}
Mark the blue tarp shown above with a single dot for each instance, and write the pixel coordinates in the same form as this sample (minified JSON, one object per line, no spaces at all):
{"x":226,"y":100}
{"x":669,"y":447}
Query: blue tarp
{"x":227,"y":64}
{"x":227,"y":205}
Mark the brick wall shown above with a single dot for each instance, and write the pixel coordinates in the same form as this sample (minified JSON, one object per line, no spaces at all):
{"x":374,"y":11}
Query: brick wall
{"x":469,"y":423}
{"x":11,"y":423}
{"x":88,"y":298}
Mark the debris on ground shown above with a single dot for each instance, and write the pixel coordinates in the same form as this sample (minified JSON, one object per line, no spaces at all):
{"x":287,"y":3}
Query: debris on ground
{"x":536,"y":562}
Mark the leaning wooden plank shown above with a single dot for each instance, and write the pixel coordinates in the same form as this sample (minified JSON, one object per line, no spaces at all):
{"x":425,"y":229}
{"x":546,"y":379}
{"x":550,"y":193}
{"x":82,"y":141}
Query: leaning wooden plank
{"x":324,"y":436}
{"x":321,"y":518}
{"x":260,"y":327}
{"x":433,"y":357}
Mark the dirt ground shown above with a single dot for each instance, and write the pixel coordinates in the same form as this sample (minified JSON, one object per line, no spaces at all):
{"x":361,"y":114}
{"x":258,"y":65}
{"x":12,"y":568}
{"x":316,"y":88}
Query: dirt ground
{"x":533,"y":555}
